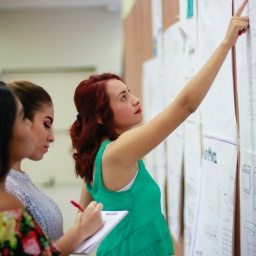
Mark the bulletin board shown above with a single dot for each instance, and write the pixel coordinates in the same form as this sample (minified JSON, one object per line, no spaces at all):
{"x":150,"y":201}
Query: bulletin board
{"x":227,"y":138}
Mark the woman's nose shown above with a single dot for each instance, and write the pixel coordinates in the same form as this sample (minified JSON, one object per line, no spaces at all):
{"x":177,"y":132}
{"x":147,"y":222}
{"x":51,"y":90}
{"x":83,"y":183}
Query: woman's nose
{"x":51,"y":137}
{"x":136,"y":100}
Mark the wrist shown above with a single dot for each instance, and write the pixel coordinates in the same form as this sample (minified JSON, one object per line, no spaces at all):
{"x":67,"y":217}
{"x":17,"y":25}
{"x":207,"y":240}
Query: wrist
{"x":225,"y":45}
{"x":79,"y":233}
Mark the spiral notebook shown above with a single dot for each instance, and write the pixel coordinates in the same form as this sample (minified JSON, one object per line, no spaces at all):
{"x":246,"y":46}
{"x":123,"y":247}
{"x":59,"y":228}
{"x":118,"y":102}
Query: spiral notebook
{"x":111,"y":219}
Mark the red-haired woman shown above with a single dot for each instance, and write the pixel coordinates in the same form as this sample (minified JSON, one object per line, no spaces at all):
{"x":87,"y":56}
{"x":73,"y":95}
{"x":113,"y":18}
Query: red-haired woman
{"x":109,"y":148}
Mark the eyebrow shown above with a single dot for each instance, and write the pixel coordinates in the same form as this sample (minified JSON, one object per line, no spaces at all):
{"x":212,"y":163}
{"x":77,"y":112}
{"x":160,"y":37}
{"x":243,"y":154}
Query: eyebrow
{"x":121,"y":93}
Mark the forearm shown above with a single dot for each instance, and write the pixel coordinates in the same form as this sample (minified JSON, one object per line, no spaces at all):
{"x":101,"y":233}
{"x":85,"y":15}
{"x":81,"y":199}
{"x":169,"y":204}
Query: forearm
{"x":195,"y":91}
{"x":69,"y":242}
{"x":85,"y":197}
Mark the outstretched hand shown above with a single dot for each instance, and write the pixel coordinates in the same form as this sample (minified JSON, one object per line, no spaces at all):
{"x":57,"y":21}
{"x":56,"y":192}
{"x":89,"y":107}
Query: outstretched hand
{"x":238,"y":25}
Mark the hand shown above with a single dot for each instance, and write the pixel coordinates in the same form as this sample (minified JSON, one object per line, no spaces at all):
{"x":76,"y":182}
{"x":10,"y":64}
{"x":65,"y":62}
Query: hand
{"x":47,"y":252}
{"x":90,"y":221}
{"x":237,"y":26}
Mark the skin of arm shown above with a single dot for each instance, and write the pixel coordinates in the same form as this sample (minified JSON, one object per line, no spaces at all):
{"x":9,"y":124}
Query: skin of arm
{"x":119,"y":163}
{"x":87,"y":223}
{"x":85,"y":197}
{"x":9,"y":202}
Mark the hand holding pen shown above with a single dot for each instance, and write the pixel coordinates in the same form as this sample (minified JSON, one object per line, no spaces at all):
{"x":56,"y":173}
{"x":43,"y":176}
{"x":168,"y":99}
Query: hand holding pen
{"x":90,"y":218}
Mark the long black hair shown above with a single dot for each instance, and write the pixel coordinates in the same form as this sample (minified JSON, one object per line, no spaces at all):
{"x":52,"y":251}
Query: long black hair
{"x":7,"y":119}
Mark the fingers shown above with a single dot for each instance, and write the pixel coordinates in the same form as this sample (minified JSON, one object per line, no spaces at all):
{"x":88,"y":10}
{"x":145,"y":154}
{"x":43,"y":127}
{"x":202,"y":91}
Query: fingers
{"x":240,"y":9}
{"x":93,"y":204}
{"x":97,"y":206}
{"x":240,"y":23}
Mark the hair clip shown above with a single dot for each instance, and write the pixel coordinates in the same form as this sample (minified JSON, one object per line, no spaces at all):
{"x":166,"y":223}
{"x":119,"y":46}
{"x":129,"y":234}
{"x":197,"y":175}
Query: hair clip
{"x":79,"y":118}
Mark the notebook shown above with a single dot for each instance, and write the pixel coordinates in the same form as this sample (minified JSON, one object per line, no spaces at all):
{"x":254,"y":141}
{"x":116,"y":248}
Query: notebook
{"x":111,"y":219}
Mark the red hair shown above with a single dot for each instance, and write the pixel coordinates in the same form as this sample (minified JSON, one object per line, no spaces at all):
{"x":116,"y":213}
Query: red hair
{"x":92,"y":104}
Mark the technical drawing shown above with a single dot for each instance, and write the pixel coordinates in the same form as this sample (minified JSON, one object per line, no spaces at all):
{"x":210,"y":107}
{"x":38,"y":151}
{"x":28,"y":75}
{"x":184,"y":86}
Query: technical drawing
{"x":246,"y":176}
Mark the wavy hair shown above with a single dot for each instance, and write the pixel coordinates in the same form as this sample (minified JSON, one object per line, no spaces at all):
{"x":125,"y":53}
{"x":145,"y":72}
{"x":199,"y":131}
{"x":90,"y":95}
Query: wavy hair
{"x":92,"y":104}
{"x":7,"y":119}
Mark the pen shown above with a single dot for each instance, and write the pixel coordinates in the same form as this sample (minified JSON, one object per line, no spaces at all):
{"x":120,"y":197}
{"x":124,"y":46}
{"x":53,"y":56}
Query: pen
{"x":77,"y":205}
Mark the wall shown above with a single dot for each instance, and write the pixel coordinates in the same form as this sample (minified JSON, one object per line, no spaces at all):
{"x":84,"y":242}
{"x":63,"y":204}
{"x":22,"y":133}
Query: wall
{"x":57,"y":49}
{"x":61,"y":38}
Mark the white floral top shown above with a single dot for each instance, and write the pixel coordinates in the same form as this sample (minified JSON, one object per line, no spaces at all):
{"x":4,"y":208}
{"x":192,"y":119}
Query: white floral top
{"x":40,"y":205}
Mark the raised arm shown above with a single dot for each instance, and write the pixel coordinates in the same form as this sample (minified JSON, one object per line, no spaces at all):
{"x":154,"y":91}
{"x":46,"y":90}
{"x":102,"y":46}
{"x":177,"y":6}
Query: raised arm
{"x":136,"y":143}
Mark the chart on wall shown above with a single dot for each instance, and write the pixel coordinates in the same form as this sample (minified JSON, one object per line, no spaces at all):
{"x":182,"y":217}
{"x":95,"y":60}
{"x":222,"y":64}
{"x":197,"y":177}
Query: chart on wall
{"x":248,"y":203}
{"x":214,"y":223}
{"x":246,"y":79}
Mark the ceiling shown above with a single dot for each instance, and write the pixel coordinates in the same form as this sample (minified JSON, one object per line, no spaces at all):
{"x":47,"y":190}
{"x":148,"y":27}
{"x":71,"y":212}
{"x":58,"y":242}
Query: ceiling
{"x":108,"y":5}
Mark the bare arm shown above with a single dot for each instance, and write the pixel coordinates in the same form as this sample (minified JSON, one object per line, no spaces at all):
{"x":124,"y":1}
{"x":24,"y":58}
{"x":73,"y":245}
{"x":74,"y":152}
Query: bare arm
{"x":121,"y":156}
{"x":85,"y":197}
{"x":126,"y":150}
{"x":86,"y":224}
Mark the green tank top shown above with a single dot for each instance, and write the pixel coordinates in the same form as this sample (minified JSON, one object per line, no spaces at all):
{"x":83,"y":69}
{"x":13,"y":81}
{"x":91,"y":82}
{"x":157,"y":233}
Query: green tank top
{"x":144,"y":230}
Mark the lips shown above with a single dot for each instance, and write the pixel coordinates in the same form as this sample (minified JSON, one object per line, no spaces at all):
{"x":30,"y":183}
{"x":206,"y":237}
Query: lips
{"x":46,"y":148}
{"x":138,"y":111}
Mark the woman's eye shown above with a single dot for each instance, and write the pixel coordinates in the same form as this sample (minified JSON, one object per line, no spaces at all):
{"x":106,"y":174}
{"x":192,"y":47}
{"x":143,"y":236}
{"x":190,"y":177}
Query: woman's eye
{"x":124,"y":97}
{"x":47,"y":126}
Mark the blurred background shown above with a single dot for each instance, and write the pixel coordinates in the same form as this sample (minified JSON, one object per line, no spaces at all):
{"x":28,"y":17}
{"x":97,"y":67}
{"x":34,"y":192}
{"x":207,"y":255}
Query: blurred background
{"x":57,"y":44}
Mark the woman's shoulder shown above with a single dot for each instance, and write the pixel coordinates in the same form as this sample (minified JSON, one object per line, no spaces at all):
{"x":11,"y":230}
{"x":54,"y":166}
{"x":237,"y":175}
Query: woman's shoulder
{"x":9,"y":202}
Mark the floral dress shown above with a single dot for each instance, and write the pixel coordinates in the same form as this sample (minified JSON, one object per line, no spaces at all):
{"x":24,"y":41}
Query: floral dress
{"x":20,"y":234}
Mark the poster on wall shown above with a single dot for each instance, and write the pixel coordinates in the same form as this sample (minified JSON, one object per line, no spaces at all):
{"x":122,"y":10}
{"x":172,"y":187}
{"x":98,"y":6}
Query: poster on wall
{"x":246,"y":79}
{"x":246,"y":84}
{"x":217,"y":109}
{"x":192,"y":177}
{"x":153,"y":103}
{"x":214,"y":223}
{"x":173,"y":84}
{"x":248,"y":203}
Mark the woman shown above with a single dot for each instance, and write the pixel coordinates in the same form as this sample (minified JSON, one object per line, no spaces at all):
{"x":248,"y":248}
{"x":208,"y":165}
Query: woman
{"x":38,"y":108}
{"x":20,"y":234}
{"x":109,"y":148}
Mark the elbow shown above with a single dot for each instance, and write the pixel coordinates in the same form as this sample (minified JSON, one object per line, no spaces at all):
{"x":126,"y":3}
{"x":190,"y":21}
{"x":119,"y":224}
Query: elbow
{"x":190,"y":107}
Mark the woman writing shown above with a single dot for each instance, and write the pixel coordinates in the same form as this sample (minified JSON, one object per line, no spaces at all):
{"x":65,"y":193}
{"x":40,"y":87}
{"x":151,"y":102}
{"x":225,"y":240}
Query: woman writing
{"x":108,"y":149}
{"x":20,"y":233}
{"x":38,"y":108}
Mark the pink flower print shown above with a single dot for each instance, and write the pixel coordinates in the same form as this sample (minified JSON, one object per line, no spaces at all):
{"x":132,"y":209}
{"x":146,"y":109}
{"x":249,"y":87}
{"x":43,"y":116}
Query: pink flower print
{"x":30,"y":243}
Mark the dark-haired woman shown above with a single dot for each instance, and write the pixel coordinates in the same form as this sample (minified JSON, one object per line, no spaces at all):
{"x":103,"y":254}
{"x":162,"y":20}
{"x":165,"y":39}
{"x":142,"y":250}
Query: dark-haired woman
{"x":20,"y":233}
{"x":38,"y":108}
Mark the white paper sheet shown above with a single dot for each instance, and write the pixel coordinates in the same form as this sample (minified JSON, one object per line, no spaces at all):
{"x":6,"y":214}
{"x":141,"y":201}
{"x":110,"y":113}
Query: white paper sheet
{"x":188,"y":30}
{"x":214,"y":221}
{"x":248,"y":203}
{"x":174,"y":81}
{"x":246,"y":80}
{"x":217,"y":109}
{"x":174,"y":181}
{"x":157,"y":26}
{"x":192,"y":176}
{"x":173,"y":62}
{"x":153,"y":95}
